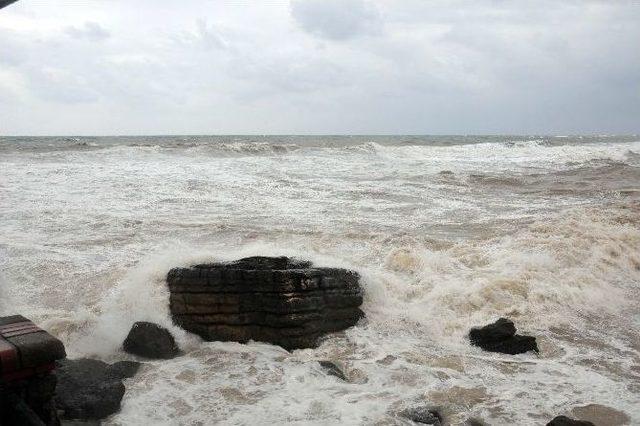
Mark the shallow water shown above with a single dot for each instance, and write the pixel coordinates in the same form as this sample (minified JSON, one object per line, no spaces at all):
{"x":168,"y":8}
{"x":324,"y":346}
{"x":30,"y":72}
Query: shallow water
{"x":447,"y":233}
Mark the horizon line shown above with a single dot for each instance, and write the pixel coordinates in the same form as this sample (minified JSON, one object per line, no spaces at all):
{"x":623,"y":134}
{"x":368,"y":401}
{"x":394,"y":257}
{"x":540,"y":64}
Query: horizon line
{"x":320,"y":134}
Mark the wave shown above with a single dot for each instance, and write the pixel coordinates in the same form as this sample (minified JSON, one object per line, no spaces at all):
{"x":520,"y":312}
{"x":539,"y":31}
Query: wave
{"x":579,"y":266}
{"x":286,"y":143}
{"x":250,"y":148}
{"x":575,"y":272}
{"x":592,"y":178}
{"x":581,"y":263}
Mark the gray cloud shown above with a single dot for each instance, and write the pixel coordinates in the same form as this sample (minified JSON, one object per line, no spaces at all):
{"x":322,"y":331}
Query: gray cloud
{"x":320,"y":67}
{"x":91,"y":31}
{"x":9,"y":55}
{"x":336,"y":19}
{"x":202,"y":35}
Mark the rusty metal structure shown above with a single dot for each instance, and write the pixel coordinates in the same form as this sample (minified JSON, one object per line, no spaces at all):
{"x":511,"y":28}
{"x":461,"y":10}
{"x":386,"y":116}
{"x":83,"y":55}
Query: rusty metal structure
{"x":27,"y":385}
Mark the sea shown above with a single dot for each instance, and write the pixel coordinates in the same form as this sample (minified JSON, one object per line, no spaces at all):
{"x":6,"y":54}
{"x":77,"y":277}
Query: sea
{"x":447,"y":233}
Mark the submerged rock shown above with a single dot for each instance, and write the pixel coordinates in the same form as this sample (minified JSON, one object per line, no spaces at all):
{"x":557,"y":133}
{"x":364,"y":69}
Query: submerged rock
{"x":501,"y":337}
{"x":333,"y":370}
{"x":423,"y":415}
{"x":150,"y":340}
{"x":90,"y":389}
{"x":278,"y":300}
{"x":566,"y":421}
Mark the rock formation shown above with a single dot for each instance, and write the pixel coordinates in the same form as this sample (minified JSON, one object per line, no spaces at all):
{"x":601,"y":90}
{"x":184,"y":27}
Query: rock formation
{"x":501,"y":336}
{"x":89,"y":388}
{"x":150,"y":340}
{"x":270,"y":299}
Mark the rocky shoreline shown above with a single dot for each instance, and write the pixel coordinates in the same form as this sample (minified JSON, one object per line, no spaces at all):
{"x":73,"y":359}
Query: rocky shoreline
{"x":281,"y":301}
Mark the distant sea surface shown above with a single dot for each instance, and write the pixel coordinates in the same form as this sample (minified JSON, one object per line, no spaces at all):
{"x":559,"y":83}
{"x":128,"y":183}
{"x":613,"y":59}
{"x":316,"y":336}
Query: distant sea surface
{"x":448,"y":232}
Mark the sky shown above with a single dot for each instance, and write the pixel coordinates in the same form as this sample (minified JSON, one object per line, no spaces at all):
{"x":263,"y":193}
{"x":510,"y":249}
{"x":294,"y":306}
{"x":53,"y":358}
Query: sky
{"x":116,"y":67}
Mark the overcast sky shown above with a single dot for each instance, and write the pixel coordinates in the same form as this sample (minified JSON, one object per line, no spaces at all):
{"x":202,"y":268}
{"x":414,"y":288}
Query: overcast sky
{"x":319,"y":66}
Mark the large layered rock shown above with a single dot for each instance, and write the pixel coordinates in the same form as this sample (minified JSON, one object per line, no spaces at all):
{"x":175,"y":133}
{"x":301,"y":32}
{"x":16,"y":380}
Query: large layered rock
{"x":271,"y":299}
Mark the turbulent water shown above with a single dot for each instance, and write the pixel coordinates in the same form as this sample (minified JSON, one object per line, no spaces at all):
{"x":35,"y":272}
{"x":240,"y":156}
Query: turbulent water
{"x":447,"y":233}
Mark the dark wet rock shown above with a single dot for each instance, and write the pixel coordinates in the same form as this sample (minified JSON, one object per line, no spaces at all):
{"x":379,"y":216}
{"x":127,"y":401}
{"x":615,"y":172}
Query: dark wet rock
{"x":423,"y":415}
{"x":28,"y":402}
{"x":566,"y":421}
{"x":502,"y":329}
{"x":80,"y":423}
{"x":333,"y":370}
{"x":501,"y":337}
{"x":39,"y":394}
{"x":88,"y":389}
{"x":512,"y":346}
{"x":124,"y":369}
{"x":15,"y":411}
{"x":277,"y":300}
{"x":150,"y":340}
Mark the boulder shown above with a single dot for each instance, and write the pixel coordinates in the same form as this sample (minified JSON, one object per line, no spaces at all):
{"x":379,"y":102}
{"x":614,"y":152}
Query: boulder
{"x":423,"y":415}
{"x":566,"y":421}
{"x":501,"y":337}
{"x":277,"y":300}
{"x":90,"y":389}
{"x":150,"y":340}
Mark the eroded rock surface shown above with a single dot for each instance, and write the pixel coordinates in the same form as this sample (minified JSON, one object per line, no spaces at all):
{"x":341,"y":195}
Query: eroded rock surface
{"x":277,"y":300}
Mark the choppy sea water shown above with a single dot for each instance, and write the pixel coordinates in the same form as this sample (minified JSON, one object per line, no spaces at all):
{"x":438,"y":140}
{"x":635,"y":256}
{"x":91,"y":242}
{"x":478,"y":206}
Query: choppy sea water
{"x":447,"y":233}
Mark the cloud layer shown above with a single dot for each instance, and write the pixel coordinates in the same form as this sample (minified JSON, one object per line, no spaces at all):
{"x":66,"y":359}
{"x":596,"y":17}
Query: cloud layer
{"x":319,"y":66}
